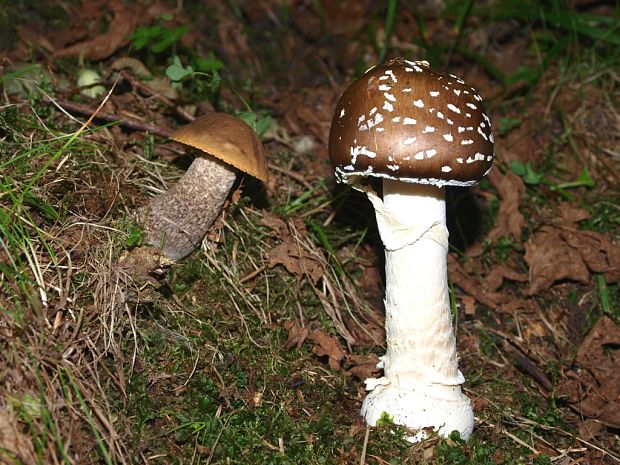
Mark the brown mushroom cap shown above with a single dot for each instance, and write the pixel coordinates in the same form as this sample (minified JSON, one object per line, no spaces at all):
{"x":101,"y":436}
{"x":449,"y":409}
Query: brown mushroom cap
{"x":228,"y":139}
{"x":403,"y":120}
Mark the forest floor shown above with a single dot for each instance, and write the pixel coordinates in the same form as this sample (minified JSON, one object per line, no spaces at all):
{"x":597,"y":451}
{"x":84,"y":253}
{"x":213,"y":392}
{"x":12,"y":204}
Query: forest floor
{"x":254,"y":348}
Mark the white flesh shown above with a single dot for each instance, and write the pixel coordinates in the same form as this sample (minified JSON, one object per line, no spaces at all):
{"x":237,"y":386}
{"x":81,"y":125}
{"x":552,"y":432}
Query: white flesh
{"x":421,"y":386}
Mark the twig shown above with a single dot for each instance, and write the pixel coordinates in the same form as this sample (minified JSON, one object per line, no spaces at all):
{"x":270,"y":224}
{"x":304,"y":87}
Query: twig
{"x":519,"y":441}
{"x":217,"y":439}
{"x":364,"y":447}
{"x":253,"y":274}
{"x":139,"y":85}
{"x":524,"y":364}
{"x":129,"y":123}
{"x":295,"y":176}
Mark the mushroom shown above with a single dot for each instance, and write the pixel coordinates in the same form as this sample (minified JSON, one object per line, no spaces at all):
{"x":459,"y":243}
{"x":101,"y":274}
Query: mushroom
{"x":418,"y":130}
{"x":178,"y":219}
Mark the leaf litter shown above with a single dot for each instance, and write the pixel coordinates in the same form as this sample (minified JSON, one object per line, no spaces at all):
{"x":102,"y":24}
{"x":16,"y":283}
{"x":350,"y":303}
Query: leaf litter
{"x":559,"y":251}
{"x":526,"y":294}
{"x":592,"y":384}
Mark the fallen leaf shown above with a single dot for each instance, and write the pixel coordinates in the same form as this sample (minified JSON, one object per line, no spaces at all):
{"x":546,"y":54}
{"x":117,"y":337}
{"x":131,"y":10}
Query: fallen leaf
{"x":551,"y":260}
{"x":233,"y":38}
{"x":297,"y":335}
{"x":326,"y":345}
{"x":296,"y":260}
{"x":556,"y":253}
{"x":366,"y":333}
{"x":593,"y":384}
{"x":469,"y":303}
{"x":126,"y":17}
{"x":589,"y":429}
{"x":511,"y":190}
{"x":496,"y":276}
{"x":570,"y":215}
{"x":599,"y":253}
{"x":363,"y":367}
{"x":273,"y":222}
{"x":370,"y":282}
{"x":499,"y":301}
{"x":308,"y":113}
{"x":291,"y":252}
{"x":124,"y":21}
{"x":157,"y":84}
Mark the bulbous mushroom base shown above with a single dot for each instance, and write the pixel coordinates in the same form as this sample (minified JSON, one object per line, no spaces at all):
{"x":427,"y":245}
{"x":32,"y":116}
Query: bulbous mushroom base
{"x":444,"y":409}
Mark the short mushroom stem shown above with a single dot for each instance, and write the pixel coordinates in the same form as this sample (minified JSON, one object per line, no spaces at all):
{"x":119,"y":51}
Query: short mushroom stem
{"x":178,"y":219}
{"x":421,"y":383}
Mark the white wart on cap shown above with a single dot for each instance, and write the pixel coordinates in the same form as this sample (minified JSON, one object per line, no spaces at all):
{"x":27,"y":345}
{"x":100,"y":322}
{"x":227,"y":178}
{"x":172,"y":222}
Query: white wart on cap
{"x":403,"y":120}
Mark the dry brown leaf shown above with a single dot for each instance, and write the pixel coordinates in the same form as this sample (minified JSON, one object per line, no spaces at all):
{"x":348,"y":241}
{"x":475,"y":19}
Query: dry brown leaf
{"x":496,"y":276}
{"x":125,"y":19}
{"x":296,"y":260}
{"x":551,"y":259}
{"x":370,"y":283}
{"x":326,"y":345}
{"x":495,"y":300}
{"x":469,"y":303}
{"x":511,"y":190}
{"x":363,"y":366}
{"x":597,"y":251}
{"x":561,"y":251}
{"x":590,"y":429}
{"x":555,"y":253}
{"x":368,"y":333}
{"x":233,"y":38}
{"x":291,"y":252}
{"x":274,"y":222}
{"x":123,"y":23}
{"x":297,"y":335}
{"x":342,"y":18}
{"x":569,"y":215}
{"x":593,"y":386}
{"x":309,"y":113}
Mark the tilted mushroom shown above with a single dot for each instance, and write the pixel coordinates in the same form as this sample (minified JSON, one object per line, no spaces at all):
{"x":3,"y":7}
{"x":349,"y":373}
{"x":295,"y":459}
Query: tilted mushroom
{"x":178,"y":219}
{"x":418,"y":130}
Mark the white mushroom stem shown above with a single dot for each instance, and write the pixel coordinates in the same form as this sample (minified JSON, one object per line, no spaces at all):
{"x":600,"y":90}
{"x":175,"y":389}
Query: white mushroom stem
{"x":178,"y":219}
{"x":421,"y":386}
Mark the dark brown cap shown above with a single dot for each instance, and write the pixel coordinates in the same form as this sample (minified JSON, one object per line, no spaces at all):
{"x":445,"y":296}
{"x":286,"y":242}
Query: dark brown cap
{"x":228,"y":139}
{"x":403,"y":120}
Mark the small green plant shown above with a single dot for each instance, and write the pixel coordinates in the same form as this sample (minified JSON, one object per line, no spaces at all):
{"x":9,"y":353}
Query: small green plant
{"x":533,"y":178}
{"x":205,"y":67}
{"x":260,"y":123}
{"x":584,"y":179}
{"x":605,"y":296}
{"x":526,"y":172}
{"x":542,"y":411}
{"x":505,"y":247}
{"x":158,"y":38}
{"x":455,"y":451}
{"x":201,"y":77}
{"x":385,"y":420}
{"x":132,"y":232}
{"x":506,"y":124}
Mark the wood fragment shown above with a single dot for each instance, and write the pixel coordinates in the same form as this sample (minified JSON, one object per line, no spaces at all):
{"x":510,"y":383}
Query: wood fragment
{"x":527,"y":366}
{"x":129,"y":123}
